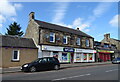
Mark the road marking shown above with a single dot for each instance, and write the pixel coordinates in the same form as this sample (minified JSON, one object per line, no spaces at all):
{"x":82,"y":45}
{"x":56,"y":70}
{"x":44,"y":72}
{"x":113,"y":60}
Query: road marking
{"x":111,"y":70}
{"x":71,"y":77}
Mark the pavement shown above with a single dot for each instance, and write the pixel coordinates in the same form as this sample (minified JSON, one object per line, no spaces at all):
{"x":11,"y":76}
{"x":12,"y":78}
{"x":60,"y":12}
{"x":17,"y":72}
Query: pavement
{"x":62,"y":66}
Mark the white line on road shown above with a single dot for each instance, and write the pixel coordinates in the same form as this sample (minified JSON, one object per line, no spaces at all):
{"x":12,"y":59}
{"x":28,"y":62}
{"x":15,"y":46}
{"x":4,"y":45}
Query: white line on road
{"x":71,"y":77}
{"x":111,"y":70}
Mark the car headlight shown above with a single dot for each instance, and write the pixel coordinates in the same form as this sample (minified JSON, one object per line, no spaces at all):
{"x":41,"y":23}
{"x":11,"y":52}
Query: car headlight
{"x":26,"y":65}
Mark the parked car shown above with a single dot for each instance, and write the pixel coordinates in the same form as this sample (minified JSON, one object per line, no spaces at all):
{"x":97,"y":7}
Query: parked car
{"x":116,"y":61}
{"x":41,"y":64}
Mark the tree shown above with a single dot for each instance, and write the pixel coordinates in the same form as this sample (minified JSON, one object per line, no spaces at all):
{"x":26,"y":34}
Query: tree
{"x":14,"y":29}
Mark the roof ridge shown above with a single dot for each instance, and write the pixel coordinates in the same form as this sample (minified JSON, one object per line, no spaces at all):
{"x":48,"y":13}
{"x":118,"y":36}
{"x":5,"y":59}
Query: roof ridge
{"x":12,"y":36}
{"x":62,"y":27}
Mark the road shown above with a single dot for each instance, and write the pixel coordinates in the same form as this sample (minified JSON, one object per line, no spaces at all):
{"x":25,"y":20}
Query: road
{"x":102,"y":72}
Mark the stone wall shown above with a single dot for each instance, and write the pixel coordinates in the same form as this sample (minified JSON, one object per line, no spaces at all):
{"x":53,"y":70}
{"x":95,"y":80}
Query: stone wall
{"x":32,"y":31}
{"x":44,"y":39}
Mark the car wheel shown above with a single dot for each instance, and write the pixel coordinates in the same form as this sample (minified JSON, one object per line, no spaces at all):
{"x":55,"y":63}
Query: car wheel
{"x":56,"y":67}
{"x":32,"y":69}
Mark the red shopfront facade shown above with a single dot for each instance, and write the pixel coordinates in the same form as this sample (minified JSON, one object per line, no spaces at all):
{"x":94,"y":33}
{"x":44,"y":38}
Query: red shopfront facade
{"x":105,"y":55}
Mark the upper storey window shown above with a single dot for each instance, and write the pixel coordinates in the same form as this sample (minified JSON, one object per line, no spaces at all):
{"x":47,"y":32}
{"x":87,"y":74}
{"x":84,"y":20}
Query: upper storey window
{"x":87,"y":43}
{"x":78,"y":41}
{"x":65,"y":40}
{"x":52,"y":37}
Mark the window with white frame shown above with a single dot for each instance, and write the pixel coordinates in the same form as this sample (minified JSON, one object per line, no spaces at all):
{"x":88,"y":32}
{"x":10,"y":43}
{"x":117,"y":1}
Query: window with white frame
{"x":78,"y":41}
{"x":87,"y":43}
{"x":65,"y":40}
{"x":15,"y":56}
{"x":52,"y":37}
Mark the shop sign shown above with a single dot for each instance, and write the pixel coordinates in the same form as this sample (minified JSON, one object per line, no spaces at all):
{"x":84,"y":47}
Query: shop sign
{"x":105,"y":51}
{"x":68,"y":49}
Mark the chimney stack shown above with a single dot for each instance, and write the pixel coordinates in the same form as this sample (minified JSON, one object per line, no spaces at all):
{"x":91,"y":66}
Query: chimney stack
{"x":31,"y":16}
{"x":107,"y":36}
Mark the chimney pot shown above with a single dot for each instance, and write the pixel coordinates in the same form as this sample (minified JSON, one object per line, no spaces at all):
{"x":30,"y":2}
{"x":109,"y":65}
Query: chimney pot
{"x":77,"y":28}
{"x":31,"y":16}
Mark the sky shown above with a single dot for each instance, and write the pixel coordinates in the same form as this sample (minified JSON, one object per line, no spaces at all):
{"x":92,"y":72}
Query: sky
{"x":93,"y":18}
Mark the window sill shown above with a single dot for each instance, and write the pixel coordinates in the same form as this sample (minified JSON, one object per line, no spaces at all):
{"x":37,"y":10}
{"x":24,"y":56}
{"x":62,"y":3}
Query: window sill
{"x":15,"y":60}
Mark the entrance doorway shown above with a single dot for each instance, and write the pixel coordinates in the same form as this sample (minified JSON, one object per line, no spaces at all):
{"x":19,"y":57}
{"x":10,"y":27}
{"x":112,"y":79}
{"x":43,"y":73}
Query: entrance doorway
{"x":72,"y":58}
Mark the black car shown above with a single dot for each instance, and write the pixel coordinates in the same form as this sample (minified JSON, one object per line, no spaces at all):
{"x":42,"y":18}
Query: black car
{"x":41,"y":64}
{"x":116,"y":61}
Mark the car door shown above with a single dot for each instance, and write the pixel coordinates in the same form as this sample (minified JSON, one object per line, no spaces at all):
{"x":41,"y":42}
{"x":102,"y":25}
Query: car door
{"x":44,"y":63}
{"x":40,"y":65}
{"x":50,"y":63}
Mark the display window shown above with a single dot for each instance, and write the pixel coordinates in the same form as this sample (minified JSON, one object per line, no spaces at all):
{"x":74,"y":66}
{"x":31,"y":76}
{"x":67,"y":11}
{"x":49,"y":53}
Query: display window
{"x":64,"y":57}
{"x":85,"y":56}
{"x":55,"y":54}
{"x":90,"y":56}
{"x":78,"y":57}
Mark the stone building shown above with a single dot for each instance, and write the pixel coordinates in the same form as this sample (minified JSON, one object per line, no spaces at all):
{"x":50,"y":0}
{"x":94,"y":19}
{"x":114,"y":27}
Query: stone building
{"x":16,"y":51}
{"x":104,"y":51}
{"x":109,"y":40}
{"x":68,"y":45}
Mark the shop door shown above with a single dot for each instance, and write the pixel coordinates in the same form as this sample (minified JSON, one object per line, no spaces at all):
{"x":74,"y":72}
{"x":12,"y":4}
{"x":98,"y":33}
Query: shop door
{"x":108,"y":57}
{"x":72,"y":57}
{"x":105,"y":57}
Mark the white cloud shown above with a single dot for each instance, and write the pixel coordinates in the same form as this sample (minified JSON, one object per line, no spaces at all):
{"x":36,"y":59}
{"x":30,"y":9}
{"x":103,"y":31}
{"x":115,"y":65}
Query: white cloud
{"x":77,"y":23}
{"x":0,"y":25}
{"x":2,"y":18}
{"x":18,"y":6}
{"x":101,"y":9}
{"x":114,"y":21}
{"x":8,"y":10}
{"x":60,"y":12}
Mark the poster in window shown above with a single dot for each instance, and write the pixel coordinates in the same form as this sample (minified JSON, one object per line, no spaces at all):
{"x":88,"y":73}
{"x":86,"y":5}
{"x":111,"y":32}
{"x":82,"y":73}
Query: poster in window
{"x":78,"y":57}
{"x":85,"y":57}
{"x":64,"y":56}
{"x":55,"y":54}
{"x":90,"y":57}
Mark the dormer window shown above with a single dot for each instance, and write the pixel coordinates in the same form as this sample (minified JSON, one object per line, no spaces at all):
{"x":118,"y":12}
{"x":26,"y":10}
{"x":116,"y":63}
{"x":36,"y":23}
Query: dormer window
{"x":52,"y":37}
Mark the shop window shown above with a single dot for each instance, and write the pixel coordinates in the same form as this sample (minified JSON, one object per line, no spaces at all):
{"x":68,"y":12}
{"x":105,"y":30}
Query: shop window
{"x":90,"y":56}
{"x":65,"y":40}
{"x":78,"y":57}
{"x":15,"y":56}
{"x":64,"y":56}
{"x":52,"y":37}
{"x":78,"y":41}
{"x":87,"y":43}
{"x":55,"y":54}
{"x":85,"y":56}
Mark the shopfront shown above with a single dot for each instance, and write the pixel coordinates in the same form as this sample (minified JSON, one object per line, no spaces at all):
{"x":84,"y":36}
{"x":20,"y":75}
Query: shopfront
{"x":68,"y":54}
{"x":64,"y":54}
{"x":85,"y":55}
{"x":105,"y":55}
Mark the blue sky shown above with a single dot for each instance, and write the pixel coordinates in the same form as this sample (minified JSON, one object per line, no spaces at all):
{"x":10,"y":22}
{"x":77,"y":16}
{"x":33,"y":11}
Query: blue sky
{"x":93,"y":18}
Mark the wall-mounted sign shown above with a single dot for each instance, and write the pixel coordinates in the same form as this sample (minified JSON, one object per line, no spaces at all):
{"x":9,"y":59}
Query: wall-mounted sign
{"x":105,"y":51}
{"x":68,"y":49}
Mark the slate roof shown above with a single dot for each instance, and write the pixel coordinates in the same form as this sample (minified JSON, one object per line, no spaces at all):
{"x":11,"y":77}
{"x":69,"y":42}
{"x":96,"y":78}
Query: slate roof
{"x":16,"y":42}
{"x":115,"y":39}
{"x":61,"y":28}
